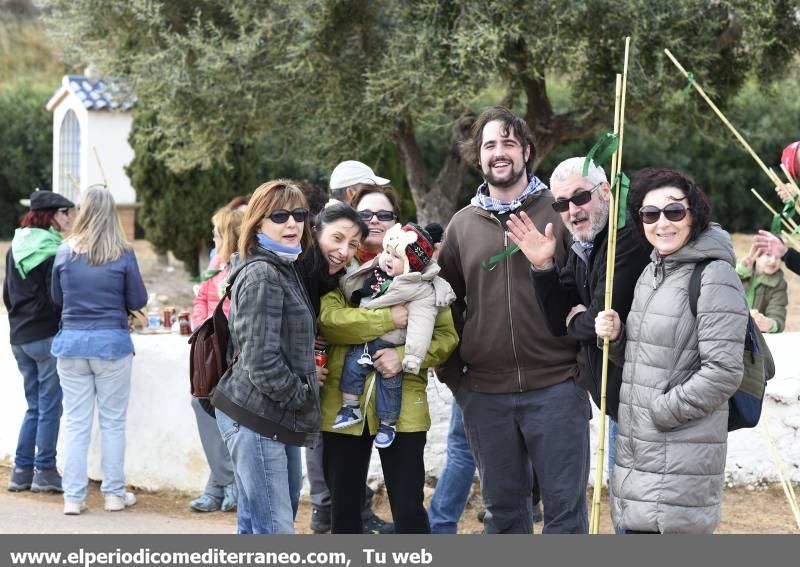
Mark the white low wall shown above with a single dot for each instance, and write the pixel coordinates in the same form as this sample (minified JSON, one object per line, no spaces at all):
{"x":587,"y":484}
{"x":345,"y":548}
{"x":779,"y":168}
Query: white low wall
{"x":164,"y":449}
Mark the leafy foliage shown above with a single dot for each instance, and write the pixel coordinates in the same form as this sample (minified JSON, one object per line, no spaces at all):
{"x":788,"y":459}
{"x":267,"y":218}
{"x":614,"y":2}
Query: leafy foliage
{"x":25,"y":149}
{"x":327,"y":80}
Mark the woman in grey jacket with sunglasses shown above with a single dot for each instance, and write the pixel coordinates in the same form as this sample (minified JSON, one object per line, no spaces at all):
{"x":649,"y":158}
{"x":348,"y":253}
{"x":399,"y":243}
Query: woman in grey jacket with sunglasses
{"x":679,"y":372}
{"x":267,"y":404}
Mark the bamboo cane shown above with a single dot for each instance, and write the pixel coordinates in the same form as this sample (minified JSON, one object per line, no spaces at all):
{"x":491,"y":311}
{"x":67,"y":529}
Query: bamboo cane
{"x":785,"y":484}
{"x":791,"y":227}
{"x":100,"y":165}
{"x":793,"y":188}
{"x":788,"y":223}
{"x":594,"y":524}
{"x":788,"y":237}
{"x":72,"y":180}
{"x":792,"y":183}
{"x":772,"y":177}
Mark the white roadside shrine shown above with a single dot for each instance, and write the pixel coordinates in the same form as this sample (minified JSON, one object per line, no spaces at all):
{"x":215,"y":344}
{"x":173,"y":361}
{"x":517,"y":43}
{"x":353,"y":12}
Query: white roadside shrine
{"x":91,"y":125}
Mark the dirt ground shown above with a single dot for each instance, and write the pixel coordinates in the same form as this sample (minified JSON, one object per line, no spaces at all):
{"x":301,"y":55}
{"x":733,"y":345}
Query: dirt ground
{"x":744,"y":510}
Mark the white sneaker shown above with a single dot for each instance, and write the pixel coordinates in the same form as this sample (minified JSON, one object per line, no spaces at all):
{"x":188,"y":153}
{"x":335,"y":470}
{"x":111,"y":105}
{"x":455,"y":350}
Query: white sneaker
{"x":74,"y":508}
{"x":116,"y":503}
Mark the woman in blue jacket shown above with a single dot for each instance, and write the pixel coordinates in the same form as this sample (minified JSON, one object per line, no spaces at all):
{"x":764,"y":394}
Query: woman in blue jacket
{"x":96,"y":280}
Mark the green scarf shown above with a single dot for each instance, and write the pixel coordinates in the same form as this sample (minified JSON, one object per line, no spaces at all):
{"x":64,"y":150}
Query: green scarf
{"x":32,"y":246}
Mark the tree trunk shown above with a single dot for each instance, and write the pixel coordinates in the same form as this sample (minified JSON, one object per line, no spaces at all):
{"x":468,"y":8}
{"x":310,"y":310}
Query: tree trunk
{"x":436,"y":200}
{"x":550,"y":130}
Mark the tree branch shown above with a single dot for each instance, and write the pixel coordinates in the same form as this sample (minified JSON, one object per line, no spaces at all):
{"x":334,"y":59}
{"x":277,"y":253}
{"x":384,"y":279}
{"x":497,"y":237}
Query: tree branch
{"x":411,"y":154}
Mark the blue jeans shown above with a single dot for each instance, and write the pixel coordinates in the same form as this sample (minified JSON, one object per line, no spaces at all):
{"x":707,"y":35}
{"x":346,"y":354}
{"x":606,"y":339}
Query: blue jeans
{"x":83,"y":380}
{"x":261,"y":469}
{"x":455,"y":482}
{"x":388,"y":395}
{"x":38,"y":434}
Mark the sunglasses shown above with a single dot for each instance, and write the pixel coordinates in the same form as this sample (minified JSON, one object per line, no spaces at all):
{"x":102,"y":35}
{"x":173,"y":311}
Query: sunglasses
{"x":280,"y":216}
{"x":383,"y":215}
{"x":578,"y":199}
{"x":674,"y":212}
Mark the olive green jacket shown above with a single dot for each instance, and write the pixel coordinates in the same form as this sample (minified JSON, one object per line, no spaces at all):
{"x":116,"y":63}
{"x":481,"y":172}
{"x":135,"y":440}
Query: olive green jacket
{"x":766,"y":292}
{"x":344,"y":326}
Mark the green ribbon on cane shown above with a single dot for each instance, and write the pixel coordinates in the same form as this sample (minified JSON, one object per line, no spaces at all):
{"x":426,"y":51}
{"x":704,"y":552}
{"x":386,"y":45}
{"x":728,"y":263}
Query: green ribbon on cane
{"x":624,"y":186}
{"x":788,"y":211}
{"x":687,"y":88}
{"x":776,"y":224}
{"x":609,"y":143}
{"x":491,"y":264}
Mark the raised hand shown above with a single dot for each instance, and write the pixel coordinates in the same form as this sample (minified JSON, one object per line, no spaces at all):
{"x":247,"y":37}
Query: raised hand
{"x":751,"y":257}
{"x":538,"y":248}
{"x":785,"y":192}
{"x":768,"y":243}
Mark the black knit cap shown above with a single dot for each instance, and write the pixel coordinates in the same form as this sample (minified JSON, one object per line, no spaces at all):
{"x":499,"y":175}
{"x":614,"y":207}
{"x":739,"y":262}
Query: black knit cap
{"x":41,"y":200}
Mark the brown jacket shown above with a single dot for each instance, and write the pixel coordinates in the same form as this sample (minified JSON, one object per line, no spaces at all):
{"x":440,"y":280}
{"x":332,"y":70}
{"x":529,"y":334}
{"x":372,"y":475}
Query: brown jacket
{"x":505,"y":343}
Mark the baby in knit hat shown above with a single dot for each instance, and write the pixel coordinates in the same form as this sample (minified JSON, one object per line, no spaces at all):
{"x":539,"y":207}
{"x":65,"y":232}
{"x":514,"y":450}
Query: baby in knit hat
{"x":404,"y":273}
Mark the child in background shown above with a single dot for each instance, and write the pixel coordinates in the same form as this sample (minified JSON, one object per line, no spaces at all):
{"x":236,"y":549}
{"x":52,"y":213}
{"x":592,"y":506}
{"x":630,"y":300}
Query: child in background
{"x":404,"y":273}
{"x":766,"y":289}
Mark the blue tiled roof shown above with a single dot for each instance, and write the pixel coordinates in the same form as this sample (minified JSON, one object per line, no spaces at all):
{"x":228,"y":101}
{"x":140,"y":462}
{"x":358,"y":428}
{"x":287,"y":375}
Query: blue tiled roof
{"x":106,"y":94}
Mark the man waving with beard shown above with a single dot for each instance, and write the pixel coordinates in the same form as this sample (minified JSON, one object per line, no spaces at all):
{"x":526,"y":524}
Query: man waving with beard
{"x":513,"y":380}
{"x":572,"y":297}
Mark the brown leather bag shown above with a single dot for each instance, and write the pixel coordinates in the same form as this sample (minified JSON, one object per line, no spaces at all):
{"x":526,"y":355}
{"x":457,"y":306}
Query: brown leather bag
{"x":208,"y":359}
{"x":208,"y":355}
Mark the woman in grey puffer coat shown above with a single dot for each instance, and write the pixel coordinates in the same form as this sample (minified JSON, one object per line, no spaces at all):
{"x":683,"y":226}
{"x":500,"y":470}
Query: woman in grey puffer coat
{"x":678,"y":372}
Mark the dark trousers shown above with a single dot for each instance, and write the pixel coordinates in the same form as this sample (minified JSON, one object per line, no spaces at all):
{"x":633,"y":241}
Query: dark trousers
{"x":319,"y":493}
{"x":547,"y":429}
{"x":346,"y":464}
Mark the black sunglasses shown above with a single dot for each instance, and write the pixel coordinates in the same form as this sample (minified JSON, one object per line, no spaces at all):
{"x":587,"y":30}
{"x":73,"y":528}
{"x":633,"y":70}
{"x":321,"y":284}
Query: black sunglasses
{"x":280,"y":216}
{"x":578,"y":199}
{"x":674,"y":212}
{"x":383,"y":215}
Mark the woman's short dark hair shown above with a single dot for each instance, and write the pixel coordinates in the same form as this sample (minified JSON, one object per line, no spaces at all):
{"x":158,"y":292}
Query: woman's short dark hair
{"x":382,"y":189}
{"x":652,"y":178}
{"x":471,"y":147}
{"x":338,"y":211}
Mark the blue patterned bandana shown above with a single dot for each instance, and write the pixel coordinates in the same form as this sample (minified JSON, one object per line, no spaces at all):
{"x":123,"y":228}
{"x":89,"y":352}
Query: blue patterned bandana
{"x":483,"y":200}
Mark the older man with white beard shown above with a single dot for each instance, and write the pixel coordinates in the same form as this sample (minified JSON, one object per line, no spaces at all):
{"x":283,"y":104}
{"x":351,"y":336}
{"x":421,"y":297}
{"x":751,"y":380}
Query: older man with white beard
{"x":571,"y":297}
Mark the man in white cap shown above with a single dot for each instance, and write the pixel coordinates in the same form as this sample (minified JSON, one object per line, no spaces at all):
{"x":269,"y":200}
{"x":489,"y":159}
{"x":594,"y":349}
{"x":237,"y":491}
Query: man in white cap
{"x":348,"y":177}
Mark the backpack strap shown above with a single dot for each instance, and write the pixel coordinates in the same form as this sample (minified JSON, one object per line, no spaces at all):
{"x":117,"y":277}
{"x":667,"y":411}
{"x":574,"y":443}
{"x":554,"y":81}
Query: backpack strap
{"x":229,"y":283}
{"x":694,"y":284}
